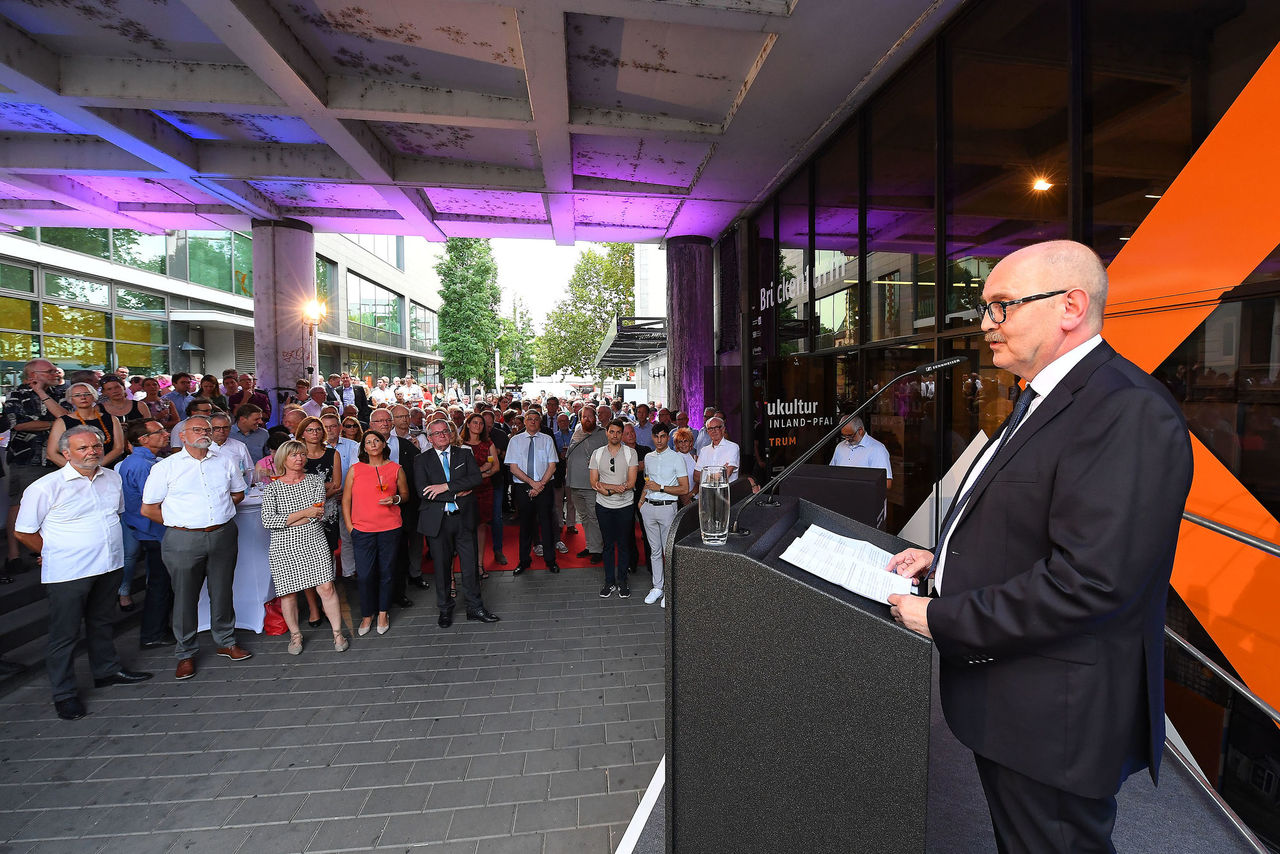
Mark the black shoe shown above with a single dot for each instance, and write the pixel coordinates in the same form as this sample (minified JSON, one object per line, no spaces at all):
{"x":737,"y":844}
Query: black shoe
{"x":607,"y":591}
{"x":403,"y":602}
{"x":446,"y":618}
{"x":123,"y":677}
{"x":156,"y":644}
{"x":597,"y":558}
{"x":127,"y":608}
{"x":483,"y":616}
{"x":70,"y":709}
{"x":6,"y":579}
{"x":555,"y":567}
{"x":624,"y":592}
{"x":519,"y":569}
{"x":585,"y":553}
{"x":500,"y":558}
{"x":314,"y":623}
{"x":420,"y":582}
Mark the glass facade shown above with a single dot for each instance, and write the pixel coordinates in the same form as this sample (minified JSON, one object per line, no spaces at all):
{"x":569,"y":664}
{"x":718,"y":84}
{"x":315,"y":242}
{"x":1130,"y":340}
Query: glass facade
{"x":424,"y":331}
{"x":373,"y":312}
{"x":1019,"y":122}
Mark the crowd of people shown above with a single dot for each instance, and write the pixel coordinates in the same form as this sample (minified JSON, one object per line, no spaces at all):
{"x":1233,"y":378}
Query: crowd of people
{"x":356,"y":484}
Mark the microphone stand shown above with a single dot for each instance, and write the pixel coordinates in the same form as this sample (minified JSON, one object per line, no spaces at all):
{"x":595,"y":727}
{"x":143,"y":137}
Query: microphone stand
{"x":735,"y":528}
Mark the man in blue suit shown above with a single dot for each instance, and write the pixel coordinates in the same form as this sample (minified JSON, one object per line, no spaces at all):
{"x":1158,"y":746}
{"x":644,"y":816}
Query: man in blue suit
{"x":1054,"y":562}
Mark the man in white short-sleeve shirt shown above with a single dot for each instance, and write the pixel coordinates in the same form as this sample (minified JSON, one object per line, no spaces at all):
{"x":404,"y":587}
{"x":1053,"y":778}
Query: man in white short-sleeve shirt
{"x":665,"y":480}
{"x":71,"y":519}
{"x":718,"y":452}
{"x":194,"y":494}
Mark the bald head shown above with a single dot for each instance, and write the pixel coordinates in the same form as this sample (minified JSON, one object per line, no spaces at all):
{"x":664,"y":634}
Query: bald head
{"x":1061,"y":265}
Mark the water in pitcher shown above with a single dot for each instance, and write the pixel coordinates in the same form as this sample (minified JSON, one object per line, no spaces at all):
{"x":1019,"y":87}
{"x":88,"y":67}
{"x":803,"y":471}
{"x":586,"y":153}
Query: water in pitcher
{"x":713,"y":506}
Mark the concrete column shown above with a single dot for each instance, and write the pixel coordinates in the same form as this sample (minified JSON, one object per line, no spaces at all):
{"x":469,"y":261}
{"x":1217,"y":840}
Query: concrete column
{"x":284,"y":280}
{"x":690,"y":323}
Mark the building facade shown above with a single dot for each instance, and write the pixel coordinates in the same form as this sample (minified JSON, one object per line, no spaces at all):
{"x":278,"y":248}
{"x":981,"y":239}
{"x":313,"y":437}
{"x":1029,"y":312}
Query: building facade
{"x":183,"y":301}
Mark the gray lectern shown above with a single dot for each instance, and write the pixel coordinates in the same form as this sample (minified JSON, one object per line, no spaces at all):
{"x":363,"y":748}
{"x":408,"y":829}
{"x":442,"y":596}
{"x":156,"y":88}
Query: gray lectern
{"x":797,"y":712}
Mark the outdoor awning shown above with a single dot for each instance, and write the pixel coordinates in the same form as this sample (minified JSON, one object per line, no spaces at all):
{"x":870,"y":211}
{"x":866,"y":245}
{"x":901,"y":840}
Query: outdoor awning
{"x":631,"y":340}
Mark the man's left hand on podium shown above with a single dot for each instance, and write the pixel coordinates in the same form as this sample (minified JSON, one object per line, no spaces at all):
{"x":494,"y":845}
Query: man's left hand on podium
{"x":911,"y":612}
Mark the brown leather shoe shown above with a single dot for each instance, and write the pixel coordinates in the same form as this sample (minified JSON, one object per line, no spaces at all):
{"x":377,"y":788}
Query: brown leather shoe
{"x":234,"y":652}
{"x":186,"y":669}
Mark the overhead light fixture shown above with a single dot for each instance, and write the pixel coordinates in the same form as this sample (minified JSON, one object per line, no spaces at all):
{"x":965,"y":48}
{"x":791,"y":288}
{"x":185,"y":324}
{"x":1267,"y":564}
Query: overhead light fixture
{"x":1041,"y":185}
{"x":1152,"y":195}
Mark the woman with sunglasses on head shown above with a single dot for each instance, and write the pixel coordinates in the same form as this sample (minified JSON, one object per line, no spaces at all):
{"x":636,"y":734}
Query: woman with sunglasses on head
{"x":322,"y":460}
{"x":292,"y":508}
{"x":371,"y":499}
{"x":612,"y":471}
{"x":83,"y":400}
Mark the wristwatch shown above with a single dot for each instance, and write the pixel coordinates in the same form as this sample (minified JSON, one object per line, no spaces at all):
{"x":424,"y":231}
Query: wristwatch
{"x":661,"y":488}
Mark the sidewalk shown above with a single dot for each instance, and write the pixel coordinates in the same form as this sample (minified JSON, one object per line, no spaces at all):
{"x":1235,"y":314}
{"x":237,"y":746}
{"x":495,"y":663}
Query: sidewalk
{"x":535,"y":734}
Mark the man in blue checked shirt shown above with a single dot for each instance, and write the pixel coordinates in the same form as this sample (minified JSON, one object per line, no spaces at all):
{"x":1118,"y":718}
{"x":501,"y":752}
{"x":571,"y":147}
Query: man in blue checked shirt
{"x":147,"y":438}
{"x":532,"y":456}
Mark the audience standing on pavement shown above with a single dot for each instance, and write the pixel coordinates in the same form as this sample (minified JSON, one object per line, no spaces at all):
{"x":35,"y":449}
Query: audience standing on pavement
{"x":29,"y":412}
{"x":613,"y":469}
{"x":371,"y":500}
{"x":194,"y":494}
{"x":148,"y":438}
{"x":71,"y":519}
{"x":666,"y":478}
{"x":719,"y":452}
{"x":531,"y":457}
{"x":586,"y":440}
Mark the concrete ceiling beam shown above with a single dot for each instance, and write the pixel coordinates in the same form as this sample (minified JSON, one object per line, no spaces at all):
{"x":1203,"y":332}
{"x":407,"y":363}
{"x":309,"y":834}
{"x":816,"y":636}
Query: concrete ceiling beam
{"x":200,"y":86}
{"x":271,"y":161}
{"x":542,"y":46}
{"x":388,"y":101}
{"x":65,"y":191}
{"x":68,"y":154}
{"x":438,"y":172}
{"x":600,"y":122}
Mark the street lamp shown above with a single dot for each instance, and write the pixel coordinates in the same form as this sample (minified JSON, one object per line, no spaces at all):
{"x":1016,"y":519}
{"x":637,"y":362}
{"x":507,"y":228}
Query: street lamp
{"x":313,"y":314}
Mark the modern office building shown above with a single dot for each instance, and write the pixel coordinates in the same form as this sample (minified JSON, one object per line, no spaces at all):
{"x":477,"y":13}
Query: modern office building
{"x":99,"y":298}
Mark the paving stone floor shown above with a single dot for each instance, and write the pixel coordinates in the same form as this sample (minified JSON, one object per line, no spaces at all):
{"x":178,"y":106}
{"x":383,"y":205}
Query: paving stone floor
{"x":535,"y":734}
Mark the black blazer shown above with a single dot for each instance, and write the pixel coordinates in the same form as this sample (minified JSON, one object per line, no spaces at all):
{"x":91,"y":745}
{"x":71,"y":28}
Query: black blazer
{"x":464,"y":476}
{"x":333,"y":395}
{"x":408,"y":454}
{"x":1050,"y":622}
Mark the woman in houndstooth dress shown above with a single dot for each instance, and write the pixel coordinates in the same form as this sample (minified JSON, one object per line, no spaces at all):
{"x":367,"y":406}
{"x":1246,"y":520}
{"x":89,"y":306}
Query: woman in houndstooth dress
{"x":299,"y":554}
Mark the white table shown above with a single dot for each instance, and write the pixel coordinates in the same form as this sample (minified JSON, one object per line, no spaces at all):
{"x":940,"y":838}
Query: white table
{"x":252,"y":587}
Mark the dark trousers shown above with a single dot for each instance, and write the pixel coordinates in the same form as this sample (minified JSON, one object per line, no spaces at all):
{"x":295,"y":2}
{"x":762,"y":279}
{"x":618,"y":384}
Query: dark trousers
{"x":617,"y":529}
{"x":455,"y":537}
{"x":376,"y":559}
{"x":192,"y":558}
{"x":90,"y":601}
{"x":1036,"y":818}
{"x":499,"y":490}
{"x":535,"y":515}
{"x":408,"y":560}
{"x":157,"y":611}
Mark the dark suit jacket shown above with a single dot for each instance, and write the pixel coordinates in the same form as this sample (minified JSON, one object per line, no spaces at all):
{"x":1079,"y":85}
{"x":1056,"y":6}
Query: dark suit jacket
{"x":464,"y":476}
{"x":1051,"y":617}
{"x":334,"y":396}
{"x":408,"y":454}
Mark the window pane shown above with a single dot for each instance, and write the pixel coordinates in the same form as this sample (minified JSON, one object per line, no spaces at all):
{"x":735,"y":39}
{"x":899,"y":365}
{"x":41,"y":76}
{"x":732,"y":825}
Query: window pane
{"x":91,"y":241}
{"x":139,"y":301}
{"x":900,"y":204}
{"x":15,"y":350}
{"x":28,"y":231}
{"x":65,"y":320}
{"x":138,"y":249}
{"x":19,"y":314}
{"x":142,"y":331}
{"x":835,"y":264}
{"x":142,"y":359}
{"x":209,"y":253}
{"x":326,"y":292}
{"x":1008,"y":174}
{"x":900,"y":419}
{"x":73,"y":353}
{"x":794,"y":310}
{"x":17,"y":278}
{"x":243,"y":273}
{"x":76,"y":290}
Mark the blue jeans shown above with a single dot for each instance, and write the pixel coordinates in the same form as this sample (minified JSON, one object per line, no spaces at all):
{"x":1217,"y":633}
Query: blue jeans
{"x":616,"y":524}
{"x":131,"y":551}
{"x":375,"y":568}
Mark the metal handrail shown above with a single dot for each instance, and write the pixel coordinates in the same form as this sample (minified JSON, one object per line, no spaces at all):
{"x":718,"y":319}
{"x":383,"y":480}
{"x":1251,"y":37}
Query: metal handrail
{"x":1249,"y":540}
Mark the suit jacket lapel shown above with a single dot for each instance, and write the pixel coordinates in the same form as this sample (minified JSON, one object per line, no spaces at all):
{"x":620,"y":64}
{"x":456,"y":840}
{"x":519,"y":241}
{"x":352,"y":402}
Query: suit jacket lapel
{"x":1058,"y":400}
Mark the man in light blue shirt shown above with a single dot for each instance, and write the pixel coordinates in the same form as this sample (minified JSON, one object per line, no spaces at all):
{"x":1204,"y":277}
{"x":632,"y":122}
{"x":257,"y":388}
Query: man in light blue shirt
{"x":181,"y":395}
{"x":146,"y":438}
{"x":348,"y":452}
{"x":859,"y":450}
{"x":644,"y":430}
{"x":248,"y":429}
{"x":532,"y":457}
{"x":666,"y":478}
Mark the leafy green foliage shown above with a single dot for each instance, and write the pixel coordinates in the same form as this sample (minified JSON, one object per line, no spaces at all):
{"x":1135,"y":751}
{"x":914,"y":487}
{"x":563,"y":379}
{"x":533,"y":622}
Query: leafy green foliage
{"x":516,"y":343}
{"x":469,"y":300}
{"x":602,"y":287}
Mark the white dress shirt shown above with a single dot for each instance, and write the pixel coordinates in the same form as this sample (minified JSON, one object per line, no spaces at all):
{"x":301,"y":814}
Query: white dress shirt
{"x":239,"y":452}
{"x":79,"y":520}
{"x":724,"y":454}
{"x":1044,"y":383}
{"x":312,"y":408}
{"x":544,"y":453}
{"x":383,"y":395}
{"x":194,"y":493}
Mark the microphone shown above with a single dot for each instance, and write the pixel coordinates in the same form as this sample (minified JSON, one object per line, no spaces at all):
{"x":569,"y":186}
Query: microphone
{"x":941,"y":364}
{"x":736,"y":530}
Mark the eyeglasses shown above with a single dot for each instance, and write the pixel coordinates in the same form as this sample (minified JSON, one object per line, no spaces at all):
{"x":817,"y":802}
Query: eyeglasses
{"x":199,"y":431}
{"x":999,"y":311}
{"x":159,"y":432}
{"x":222,"y":428}
{"x":438,"y":433}
{"x":311,"y":429}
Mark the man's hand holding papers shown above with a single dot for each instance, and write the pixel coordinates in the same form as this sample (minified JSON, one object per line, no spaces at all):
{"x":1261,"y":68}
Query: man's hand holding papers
{"x":855,"y":565}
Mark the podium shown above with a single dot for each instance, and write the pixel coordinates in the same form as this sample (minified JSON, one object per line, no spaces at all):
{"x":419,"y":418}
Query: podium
{"x":797,"y":713}
{"x":855,"y":493}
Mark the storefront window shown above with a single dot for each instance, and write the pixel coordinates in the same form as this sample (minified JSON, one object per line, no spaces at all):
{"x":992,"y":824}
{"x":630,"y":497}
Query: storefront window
{"x":15,"y":351}
{"x":901,"y":209}
{"x":138,"y":249}
{"x":131,"y":300}
{"x":794,"y":307}
{"x":19,"y":314}
{"x":902,"y":419}
{"x":65,"y":320}
{"x":142,"y":331}
{"x":13,"y":278}
{"x":90,"y":241}
{"x":142,"y":359}
{"x":242,"y":268}
{"x":74,"y":353}
{"x":373,"y":312}
{"x":326,"y":293}
{"x":73,"y":289}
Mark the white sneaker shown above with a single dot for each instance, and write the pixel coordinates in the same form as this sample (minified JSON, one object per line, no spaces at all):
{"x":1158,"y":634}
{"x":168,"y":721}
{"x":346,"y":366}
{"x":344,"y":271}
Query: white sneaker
{"x":654,"y":595}
{"x":664,"y":601}
{"x":562,"y":548}
{"x":537,"y":550}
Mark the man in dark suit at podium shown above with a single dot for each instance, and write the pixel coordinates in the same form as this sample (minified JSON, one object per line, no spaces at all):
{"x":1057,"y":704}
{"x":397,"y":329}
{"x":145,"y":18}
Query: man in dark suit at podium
{"x":1053,"y":565}
{"x":446,"y":474}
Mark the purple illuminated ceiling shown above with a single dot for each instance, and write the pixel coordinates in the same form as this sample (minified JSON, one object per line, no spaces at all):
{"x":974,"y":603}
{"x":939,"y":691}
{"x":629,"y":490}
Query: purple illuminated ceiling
{"x":452,"y":142}
{"x":633,"y":212}
{"x":518,"y":206}
{"x":33,"y":118}
{"x":658,"y":161}
{"x":249,"y":127}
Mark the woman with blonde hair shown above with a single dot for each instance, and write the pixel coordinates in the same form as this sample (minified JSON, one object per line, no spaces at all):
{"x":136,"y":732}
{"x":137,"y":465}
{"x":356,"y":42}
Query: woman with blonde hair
{"x":300,"y":559}
{"x":322,"y":460}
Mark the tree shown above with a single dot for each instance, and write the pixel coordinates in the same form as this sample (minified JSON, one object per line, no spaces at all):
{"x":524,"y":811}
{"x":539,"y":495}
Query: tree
{"x":601,"y":288}
{"x":469,"y":299}
{"x":516,"y":344}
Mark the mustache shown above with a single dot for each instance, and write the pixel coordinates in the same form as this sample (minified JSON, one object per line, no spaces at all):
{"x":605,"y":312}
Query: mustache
{"x":993,"y":337}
